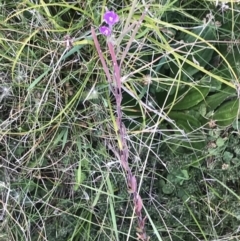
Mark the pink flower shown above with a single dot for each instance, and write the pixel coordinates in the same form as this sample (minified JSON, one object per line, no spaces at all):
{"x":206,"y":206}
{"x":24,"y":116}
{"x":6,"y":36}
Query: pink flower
{"x":111,"y":18}
{"x":105,"y":30}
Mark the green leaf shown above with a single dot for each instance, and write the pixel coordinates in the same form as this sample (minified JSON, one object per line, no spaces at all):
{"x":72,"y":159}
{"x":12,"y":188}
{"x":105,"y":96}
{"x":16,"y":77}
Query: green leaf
{"x":80,"y":177}
{"x":181,"y":176}
{"x":185,"y":174}
{"x":187,"y":120}
{"x":227,"y":156}
{"x":65,"y":138}
{"x":188,"y":123}
{"x":202,"y":109}
{"x":203,"y":31}
{"x":213,"y":101}
{"x":194,"y":50}
{"x":168,"y":188}
{"x":232,"y":56}
{"x":235,"y":125}
{"x":227,"y":113}
{"x":193,"y":97}
{"x":220,"y":142}
{"x":182,"y":194}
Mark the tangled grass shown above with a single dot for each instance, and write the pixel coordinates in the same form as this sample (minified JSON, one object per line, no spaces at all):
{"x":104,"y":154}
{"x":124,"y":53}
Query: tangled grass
{"x":60,"y":174}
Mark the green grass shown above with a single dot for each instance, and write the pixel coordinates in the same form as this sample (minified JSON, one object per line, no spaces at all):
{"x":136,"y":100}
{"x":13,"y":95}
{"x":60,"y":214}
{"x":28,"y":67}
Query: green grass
{"x":60,"y":173}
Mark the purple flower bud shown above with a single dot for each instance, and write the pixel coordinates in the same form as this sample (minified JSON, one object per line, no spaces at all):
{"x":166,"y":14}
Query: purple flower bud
{"x":111,"y":18}
{"x":105,"y":30}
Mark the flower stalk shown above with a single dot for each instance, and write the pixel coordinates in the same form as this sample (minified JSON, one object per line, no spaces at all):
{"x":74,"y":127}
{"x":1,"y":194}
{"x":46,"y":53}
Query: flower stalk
{"x":111,"y":18}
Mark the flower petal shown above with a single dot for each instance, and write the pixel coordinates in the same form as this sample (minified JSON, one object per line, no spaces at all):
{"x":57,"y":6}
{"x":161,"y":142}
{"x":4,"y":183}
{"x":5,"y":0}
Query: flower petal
{"x":111,"y":18}
{"x":105,"y":30}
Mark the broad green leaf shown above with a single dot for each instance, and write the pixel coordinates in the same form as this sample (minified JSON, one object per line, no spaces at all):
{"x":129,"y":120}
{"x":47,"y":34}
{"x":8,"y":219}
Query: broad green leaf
{"x":195,"y":50}
{"x":188,"y":123}
{"x":232,"y":56}
{"x":185,"y":118}
{"x":227,"y":113}
{"x":193,"y":97}
{"x":213,"y":101}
